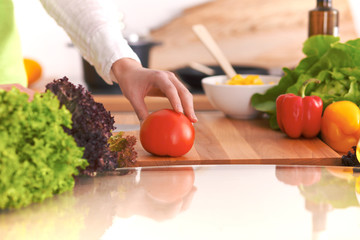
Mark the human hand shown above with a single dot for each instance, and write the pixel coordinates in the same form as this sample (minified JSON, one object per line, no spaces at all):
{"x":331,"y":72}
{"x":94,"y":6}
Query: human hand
{"x":297,"y":176}
{"x":8,"y":87}
{"x":137,"y":82}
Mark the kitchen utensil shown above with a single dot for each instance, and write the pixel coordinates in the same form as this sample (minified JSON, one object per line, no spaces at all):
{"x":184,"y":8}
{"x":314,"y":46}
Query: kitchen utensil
{"x":201,"y":68}
{"x":214,"y":49}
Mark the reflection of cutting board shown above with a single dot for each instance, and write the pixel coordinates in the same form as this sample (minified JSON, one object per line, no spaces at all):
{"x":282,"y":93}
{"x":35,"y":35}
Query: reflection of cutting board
{"x":221,"y":140}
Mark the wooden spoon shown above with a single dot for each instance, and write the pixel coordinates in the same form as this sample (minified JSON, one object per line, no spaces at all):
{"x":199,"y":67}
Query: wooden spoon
{"x":202,"y":68}
{"x":214,"y":49}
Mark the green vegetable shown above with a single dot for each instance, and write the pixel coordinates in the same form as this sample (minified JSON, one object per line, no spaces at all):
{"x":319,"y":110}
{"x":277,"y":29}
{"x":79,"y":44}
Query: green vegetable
{"x":336,"y":65}
{"x":37,"y":158}
{"x":91,"y":124}
{"x":124,"y":146}
{"x":92,"y":127}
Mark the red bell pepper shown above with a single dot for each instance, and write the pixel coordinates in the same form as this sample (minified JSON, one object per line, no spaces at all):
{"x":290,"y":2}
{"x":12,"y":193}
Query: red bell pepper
{"x":299,"y":115}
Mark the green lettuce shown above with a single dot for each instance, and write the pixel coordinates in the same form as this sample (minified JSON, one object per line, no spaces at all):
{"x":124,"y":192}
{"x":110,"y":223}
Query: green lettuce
{"x":336,"y":65}
{"x":37,"y":158}
{"x":339,"y":193}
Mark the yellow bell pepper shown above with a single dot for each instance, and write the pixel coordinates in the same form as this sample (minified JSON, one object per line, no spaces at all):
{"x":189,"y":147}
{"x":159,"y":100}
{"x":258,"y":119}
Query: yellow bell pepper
{"x":340,"y":125}
{"x":357,"y":185}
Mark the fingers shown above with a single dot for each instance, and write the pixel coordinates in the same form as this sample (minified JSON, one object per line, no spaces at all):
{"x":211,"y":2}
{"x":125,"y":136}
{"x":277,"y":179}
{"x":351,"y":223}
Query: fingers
{"x":171,"y":93}
{"x":137,"y":82}
{"x":179,"y":96}
{"x":186,"y":98}
{"x":139,"y":106}
{"x":188,"y":105}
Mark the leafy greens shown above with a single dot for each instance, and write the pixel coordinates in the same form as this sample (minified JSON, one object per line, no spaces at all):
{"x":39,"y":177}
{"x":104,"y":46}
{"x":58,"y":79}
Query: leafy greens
{"x":335,"y":64}
{"x":124,"y":146}
{"x":47,"y":141}
{"x":37,"y":158}
{"x":92,"y":129}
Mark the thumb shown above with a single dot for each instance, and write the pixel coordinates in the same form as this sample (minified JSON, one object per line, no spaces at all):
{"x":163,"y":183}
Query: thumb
{"x":140,"y":108}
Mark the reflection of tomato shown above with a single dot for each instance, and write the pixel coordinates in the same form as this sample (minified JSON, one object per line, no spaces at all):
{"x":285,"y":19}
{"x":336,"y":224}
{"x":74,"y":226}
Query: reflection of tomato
{"x":167,"y":133}
{"x":167,"y":184}
{"x":298,"y":175}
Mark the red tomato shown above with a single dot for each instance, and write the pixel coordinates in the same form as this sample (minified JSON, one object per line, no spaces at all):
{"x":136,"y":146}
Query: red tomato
{"x":167,"y":133}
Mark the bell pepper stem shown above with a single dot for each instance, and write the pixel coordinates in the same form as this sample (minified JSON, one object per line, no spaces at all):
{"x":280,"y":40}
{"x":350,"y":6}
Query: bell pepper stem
{"x":305,"y":84}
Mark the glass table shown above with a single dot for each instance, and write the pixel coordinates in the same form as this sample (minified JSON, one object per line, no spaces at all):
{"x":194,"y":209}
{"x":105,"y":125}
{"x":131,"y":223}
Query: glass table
{"x":198,"y":202}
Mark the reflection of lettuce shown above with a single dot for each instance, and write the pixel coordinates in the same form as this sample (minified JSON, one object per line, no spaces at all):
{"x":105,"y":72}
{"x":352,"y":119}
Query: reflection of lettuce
{"x":45,"y":221}
{"x":335,"y":64}
{"x":338,"y":192}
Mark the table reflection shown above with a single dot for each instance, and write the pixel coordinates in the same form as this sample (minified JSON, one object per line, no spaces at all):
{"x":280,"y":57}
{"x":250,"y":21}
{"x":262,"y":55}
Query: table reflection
{"x":324,"y":189}
{"x":161,"y":197}
{"x":87,"y":211}
{"x":203,"y":202}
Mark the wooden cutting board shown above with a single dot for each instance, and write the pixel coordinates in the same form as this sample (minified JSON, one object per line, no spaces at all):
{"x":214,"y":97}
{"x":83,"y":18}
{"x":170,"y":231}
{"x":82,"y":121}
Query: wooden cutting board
{"x":220,"y":140}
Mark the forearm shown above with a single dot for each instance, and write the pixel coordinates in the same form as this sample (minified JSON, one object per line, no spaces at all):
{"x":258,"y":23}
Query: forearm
{"x":94,"y":29}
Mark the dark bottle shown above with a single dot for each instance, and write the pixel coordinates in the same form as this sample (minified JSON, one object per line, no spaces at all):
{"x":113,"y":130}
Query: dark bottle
{"x":324,"y":19}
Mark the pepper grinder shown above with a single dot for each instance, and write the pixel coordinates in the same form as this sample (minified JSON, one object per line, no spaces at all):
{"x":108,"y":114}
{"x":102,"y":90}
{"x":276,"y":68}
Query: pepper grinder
{"x":324,"y":19}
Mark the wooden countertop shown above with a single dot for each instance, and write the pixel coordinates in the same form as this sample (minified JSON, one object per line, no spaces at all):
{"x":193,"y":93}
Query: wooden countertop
{"x":118,"y":103}
{"x":220,"y":140}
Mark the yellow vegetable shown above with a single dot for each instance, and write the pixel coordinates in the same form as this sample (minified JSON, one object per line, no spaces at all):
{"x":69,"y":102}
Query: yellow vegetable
{"x":33,"y":70}
{"x":357,"y":185}
{"x":357,"y":152}
{"x":340,"y":172}
{"x":340,"y":126}
{"x":248,"y":80}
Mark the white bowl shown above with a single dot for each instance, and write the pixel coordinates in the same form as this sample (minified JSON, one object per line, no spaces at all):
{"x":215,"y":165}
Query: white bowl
{"x":234,"y":100}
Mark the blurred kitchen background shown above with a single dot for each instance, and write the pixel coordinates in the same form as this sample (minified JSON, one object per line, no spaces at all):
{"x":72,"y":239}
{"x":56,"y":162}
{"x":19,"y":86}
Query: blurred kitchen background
{"x":259,"y":33}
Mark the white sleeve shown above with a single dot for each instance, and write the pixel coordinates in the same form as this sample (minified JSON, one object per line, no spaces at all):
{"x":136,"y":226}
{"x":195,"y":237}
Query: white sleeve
{"x":94,"y":28}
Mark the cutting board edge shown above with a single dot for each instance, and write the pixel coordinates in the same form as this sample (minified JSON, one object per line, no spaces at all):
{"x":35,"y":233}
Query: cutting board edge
{"x":272,"y":161}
